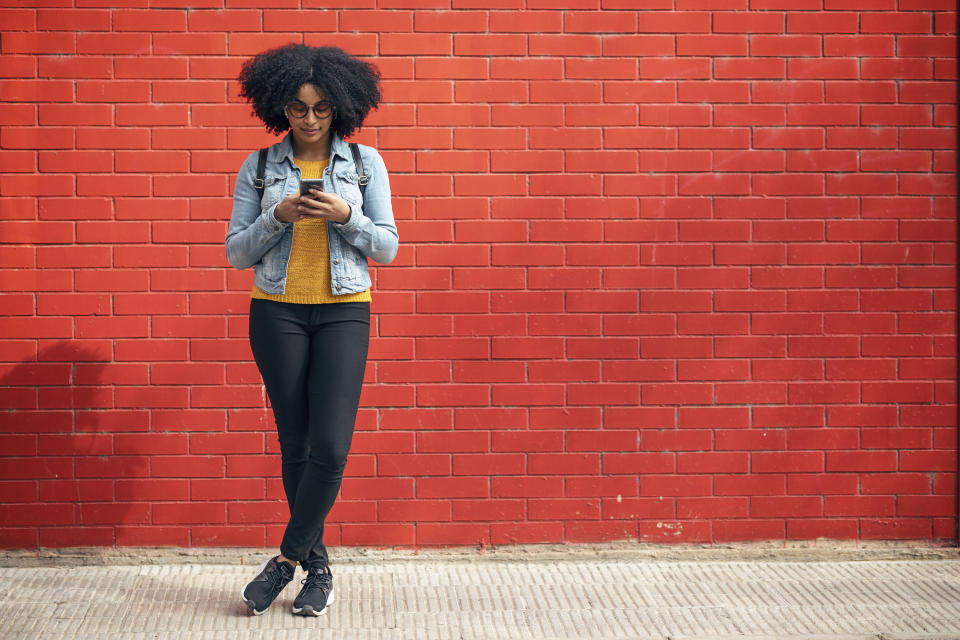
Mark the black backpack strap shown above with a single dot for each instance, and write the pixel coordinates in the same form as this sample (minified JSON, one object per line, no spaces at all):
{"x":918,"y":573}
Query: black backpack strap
{"x":362,"y":178}
{"x":261,"y":172}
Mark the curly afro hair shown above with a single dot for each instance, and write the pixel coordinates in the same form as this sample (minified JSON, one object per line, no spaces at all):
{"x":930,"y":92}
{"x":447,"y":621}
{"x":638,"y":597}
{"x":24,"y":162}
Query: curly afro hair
{"x":272,"y":79}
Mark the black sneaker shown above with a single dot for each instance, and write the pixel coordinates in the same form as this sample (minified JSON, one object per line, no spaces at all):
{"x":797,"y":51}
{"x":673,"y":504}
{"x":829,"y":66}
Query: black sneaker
{"x":271,"y":578}
{"x":316,"y":594}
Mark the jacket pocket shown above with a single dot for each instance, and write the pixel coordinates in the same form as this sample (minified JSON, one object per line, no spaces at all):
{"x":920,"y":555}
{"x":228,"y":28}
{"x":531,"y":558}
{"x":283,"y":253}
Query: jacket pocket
{"x":273,"y":190}
{"x":274,"y":267}
{"x":349,"y":188}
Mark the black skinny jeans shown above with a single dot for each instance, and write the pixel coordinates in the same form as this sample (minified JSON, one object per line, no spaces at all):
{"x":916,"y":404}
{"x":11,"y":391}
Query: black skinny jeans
{"x":312,"y":359}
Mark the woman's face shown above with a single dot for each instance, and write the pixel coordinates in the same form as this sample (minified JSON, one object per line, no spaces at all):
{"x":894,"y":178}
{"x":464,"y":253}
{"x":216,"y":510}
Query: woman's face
{"x":309,"y":129}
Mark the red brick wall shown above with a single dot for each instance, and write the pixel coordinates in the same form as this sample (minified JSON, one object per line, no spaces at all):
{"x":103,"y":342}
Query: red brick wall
{"x":673,"y":270}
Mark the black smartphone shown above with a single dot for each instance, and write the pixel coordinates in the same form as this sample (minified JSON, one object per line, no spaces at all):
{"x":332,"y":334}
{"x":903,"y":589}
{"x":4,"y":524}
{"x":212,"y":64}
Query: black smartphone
{"x":306,"y":185}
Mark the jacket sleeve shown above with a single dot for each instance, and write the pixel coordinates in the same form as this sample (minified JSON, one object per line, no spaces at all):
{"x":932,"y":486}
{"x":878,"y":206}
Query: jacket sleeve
{"x":252,"y":231}
{"x":372,"y":229}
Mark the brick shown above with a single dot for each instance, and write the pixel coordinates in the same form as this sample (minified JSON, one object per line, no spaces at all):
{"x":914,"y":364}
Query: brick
{"x":526,"y":68}
{"x":419,"y":44}
{"x":786,"y":506}
{"x":403,"y":371}
{"x":459,"y":487}
{"x":19,"y":19}
{"x":20,"y":67}
{"x":423,"y":464}
{"x":33,"y":138}
{"x":896,"y":528}
{"x":470,"y":44}
{"x":113,"y":185}
{"x":526,"y":394}
{"x":741,"y":530}
{"x":926,"y":461}
{"x":449,"y":21}
{"x":42,"y":514}
{"x":422,"y":91}
{"x":452,"y":534}
{"x":453,"y":68}
{"x":488,"y":139}
{"x":189,"y":513}
{"x":712,"y":507}
{"x":77,"y":536}
{"x":43,"y":42}
{"x":152,"y":21}
{"x":441,"y":161}
{"x":292,"y":21}
{"x":929,"y":506}
{"x":565,"y":508}
{"x":414,"y":510}
{"x":363,"y":534}
{"x":389,"y":21}
{"x":673,"y":531}
{"x":565,"y":138}
{"x":18,"y":161}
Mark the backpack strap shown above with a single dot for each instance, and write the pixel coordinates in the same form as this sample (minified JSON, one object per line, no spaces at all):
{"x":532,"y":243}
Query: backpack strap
{"x":258,"y":184}
{"x":362,"y":177}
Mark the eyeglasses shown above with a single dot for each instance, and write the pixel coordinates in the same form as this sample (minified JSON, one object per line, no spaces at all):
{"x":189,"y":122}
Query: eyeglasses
{"x":298,"y":109}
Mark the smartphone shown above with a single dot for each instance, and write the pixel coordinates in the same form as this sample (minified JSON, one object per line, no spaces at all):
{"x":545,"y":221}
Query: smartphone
{"x":306,"y":185}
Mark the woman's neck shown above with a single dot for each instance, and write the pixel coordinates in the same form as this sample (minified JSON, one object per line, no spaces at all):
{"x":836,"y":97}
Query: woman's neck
{"x":312,"y":153}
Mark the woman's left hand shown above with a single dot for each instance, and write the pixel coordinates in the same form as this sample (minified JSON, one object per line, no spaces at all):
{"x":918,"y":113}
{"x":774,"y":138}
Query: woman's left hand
{"x":321,"y":204}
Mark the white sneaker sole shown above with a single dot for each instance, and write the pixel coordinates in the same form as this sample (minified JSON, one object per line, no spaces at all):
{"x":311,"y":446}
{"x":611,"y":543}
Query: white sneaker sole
{"x":309,"y":611}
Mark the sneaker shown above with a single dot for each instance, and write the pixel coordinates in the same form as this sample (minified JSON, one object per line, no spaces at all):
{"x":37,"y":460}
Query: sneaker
{"x":271,"y":578}
{"x":316,"y":594}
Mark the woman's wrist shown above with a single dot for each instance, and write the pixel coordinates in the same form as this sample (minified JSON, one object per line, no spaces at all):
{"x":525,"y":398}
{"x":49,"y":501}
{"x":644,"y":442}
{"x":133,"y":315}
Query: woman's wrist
{"x":281,"y":214}
{"x":345,"y":217}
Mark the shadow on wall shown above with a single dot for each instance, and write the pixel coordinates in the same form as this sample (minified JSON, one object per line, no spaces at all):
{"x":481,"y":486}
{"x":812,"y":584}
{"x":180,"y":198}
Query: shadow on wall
{"x":63,"y":482}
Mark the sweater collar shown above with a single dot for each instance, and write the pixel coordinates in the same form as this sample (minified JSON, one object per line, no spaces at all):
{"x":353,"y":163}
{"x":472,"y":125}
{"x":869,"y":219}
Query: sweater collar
{"x":284,"y":149}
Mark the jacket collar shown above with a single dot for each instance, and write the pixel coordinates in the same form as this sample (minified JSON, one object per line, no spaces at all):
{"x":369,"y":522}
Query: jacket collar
{"x":284,"y":149}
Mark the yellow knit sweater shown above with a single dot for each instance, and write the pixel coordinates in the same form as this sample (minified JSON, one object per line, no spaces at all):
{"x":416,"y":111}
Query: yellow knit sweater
{"x":308,"y":271}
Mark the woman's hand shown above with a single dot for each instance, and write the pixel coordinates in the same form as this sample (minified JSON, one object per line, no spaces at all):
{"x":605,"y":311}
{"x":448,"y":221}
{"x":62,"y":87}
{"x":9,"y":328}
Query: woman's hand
{"x":319,"y":204}
{"x":286,"y":210}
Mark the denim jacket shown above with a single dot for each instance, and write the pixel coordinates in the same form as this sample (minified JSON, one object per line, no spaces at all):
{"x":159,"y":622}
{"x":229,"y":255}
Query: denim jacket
{"x":255,"y":238}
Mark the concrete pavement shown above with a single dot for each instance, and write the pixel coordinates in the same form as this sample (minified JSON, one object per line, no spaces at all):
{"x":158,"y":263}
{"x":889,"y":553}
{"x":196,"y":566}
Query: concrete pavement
{"x":397,"y":595}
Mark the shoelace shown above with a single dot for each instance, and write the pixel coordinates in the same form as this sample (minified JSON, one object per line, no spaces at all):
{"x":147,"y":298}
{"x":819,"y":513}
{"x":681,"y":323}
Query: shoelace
{"x":318,"y":578}
{"x":277,"y":580}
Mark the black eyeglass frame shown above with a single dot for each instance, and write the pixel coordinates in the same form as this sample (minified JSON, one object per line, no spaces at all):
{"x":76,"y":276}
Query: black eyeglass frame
{"x":327,"y":109}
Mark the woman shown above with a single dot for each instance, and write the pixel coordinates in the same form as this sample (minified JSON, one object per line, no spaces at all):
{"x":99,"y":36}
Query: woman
{"x":310,"y":306}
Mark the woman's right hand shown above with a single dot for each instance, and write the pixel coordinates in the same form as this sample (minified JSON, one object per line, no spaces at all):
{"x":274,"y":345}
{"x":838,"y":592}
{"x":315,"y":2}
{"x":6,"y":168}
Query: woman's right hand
{"x":286,"y":210}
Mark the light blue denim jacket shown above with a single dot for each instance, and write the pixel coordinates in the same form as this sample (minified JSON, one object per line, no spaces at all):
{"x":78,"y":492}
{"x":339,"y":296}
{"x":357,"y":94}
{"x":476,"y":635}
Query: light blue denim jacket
{"x":257,"y":239}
